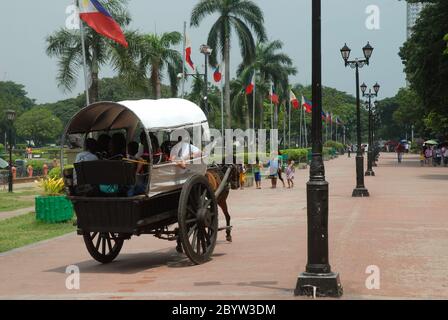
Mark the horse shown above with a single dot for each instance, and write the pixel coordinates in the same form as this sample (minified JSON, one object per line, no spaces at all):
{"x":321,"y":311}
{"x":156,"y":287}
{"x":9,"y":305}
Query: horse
{"x":215,"y":176}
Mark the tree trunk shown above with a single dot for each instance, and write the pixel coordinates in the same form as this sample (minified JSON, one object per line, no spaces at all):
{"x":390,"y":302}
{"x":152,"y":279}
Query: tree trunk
{"x":247,"y":113}
{"x":155,"y":82}
{"x":227,"y":84}
{"x":94,"y":87}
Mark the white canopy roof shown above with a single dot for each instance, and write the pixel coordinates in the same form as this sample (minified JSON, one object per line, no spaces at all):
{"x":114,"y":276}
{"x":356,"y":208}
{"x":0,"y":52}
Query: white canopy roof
{"x":153,"y":114}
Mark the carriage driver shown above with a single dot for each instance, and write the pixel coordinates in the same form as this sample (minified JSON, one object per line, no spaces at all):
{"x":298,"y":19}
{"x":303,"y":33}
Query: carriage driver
{"x":184,"y":151}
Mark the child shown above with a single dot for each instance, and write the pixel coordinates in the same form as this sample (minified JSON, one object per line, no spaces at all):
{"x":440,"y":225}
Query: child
{"x":257,"y":174}
{"x":422,"y":158}
{"x":242,"y":176}
{"x":290,"y":172}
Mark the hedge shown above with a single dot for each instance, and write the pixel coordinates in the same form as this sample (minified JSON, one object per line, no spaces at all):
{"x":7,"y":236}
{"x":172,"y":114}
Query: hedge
{"x":336,"y":145}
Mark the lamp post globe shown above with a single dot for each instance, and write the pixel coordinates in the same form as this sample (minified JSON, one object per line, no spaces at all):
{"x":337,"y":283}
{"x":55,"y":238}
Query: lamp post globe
{"x":368,"y":50}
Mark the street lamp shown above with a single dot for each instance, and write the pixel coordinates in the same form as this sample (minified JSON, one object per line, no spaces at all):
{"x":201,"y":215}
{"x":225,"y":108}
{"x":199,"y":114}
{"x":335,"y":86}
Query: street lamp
{"x":318,"y":279}
{"x":360,"y":190}
{"x":370,"y":95}
{"x":206,"y":51}
{"x":10,"y":116}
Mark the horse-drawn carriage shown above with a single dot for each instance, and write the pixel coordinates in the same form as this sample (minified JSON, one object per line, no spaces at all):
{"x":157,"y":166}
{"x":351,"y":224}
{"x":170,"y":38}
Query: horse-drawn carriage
{"x":178,"y":204}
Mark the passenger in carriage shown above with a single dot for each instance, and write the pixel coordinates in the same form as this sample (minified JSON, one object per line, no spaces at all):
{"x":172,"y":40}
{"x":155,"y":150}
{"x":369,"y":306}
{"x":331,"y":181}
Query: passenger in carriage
{"x":103,"y":146}
{"x":117,"y":147}
{"x":90,"y":148}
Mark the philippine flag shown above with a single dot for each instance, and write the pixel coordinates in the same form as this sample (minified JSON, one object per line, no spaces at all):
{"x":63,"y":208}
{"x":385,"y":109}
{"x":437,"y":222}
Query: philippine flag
{"x":188,"y":51}
{"x":324,"y":116}
{"x":250,"y":87}
{"x":294,"y":101}
{"x":307,"y":105}
{"x":274,"y":97}
{"x":97,"y":17}
{"x":217,"y":76}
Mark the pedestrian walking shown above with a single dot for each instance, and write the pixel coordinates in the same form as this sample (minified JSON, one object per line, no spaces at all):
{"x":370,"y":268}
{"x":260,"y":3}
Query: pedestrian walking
{"x":273,"y":170}
{"x":349,"y":151}
{"x":428,"y":155}
{"x":290,"y":173}
{"x":257,"y":173}
{"x":437,"y":153}
{"x":400,"y":150}
{"x":445,"y":155}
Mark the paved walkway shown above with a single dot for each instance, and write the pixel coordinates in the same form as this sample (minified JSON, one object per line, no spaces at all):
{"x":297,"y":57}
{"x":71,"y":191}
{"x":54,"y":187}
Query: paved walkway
{"x":10,"y":214}
{"x":402,"y":228}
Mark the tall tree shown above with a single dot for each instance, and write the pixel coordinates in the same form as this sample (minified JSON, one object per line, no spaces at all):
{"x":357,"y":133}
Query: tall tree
{"x":271,"y":66}
{"x":149,"y":59}
{"x":66,"y":45}
{"x":426,"y":66}
{"x":240,"y":16}
{"x":39,"y":125}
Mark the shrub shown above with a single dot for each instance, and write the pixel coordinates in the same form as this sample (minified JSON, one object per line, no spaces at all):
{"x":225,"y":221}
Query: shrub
{"x":2,"y":148}
{"x":52,"y":186}
{"x":55,"y":173}
{"x":336,"y":145}
{"x":297,"y":155}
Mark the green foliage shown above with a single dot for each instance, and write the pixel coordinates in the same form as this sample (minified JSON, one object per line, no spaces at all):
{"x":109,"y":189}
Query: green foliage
{"x":148,"y":59}
{"x":335,"y":145}
{"x":39,"y":125}
{"x":52,"y":186}
{"x":2,"y":148}
{"x":297,"y":155}
{"x":55,"y":173}
{"x":426,"y":66}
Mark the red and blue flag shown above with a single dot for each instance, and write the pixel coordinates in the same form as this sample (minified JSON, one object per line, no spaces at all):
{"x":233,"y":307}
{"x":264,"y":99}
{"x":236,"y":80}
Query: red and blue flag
{"x":100,"y":20}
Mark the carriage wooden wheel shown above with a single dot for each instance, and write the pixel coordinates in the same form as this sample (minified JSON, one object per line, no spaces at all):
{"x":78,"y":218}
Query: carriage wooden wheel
{"x":198,"y":219}
{"x":104,"y":247}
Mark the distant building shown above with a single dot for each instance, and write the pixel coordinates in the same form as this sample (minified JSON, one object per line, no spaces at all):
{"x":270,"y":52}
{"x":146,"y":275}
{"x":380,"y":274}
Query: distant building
{"x":413,"y":12}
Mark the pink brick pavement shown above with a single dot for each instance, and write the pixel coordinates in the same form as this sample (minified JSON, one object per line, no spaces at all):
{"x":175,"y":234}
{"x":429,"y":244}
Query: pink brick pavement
{"x":402,"y":228}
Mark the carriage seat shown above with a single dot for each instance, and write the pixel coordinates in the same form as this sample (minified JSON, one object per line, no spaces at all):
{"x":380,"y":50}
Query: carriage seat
{"x":104,"y":172}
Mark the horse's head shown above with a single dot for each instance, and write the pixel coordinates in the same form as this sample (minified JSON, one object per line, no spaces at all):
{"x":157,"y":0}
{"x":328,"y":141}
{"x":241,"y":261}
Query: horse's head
{"x":234,"y":178}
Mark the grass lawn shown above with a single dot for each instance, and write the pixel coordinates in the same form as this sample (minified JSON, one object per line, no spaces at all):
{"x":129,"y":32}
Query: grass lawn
{"x":24,"y":230}
{"x":17,"y":200}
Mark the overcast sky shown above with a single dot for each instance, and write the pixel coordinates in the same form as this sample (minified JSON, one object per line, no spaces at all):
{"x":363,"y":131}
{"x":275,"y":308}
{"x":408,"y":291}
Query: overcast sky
{"x":25,"y":24}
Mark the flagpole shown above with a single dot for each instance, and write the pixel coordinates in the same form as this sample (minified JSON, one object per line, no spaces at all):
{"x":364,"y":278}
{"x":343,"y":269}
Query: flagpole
{"x":306,"y":131}
{"x":301,"y":124}
{"x":284,"y":127}
{"x":222,"y":108}
{"x":272,"y":109}
{"x":289,"y":121}
{"x":254,"y":97}
{"x":331,"y":127}
{"x":83,"y":46}
{"x":184,"y":44}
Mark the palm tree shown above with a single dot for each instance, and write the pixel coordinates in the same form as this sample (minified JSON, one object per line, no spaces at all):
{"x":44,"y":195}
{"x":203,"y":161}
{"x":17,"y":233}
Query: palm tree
{"x":214,"y":100}
{"x":239,"y":16}
{"x":271,"y":66}
{"x":150,"y":56}
{"x":67,"y":47}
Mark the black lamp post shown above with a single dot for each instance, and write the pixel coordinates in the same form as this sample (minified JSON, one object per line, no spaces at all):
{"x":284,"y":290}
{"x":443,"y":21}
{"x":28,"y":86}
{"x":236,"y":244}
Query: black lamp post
{"x":370,"y":154}
{"x":318,"y":279}
{"x":360,"y":190}
{"x":10,"y":116}
{"x":375,"y":120}
{"x":206,"y":51}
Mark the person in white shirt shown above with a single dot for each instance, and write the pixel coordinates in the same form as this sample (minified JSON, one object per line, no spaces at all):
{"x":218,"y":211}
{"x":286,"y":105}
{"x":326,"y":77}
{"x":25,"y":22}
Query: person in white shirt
{"x":90,"y":147}
{"x":184,"y":150}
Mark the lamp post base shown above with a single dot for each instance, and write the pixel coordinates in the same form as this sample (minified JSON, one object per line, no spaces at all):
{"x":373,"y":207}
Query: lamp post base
{"x":370,"y":173}
{"x":319,"y":285}
{"x":360,"y":193}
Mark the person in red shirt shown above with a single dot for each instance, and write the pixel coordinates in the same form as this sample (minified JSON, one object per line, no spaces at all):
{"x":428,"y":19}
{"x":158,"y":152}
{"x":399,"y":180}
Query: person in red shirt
{"x":400,"y":150}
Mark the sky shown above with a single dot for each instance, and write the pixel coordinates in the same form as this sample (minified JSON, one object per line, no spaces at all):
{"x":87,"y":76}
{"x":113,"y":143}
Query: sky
{"x":24,"y":25}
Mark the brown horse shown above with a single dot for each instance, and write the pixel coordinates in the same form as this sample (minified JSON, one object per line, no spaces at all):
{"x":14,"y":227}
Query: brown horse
{"x":215,"y":176}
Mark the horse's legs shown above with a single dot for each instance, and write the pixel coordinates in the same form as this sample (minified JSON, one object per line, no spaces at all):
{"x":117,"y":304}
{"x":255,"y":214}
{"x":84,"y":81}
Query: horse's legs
{"x":223,"y":205}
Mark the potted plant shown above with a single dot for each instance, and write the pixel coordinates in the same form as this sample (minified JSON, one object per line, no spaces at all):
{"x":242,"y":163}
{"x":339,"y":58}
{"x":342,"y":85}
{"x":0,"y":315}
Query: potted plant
{"x":53,"y":206}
